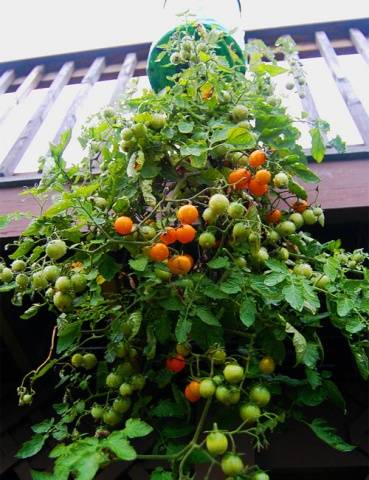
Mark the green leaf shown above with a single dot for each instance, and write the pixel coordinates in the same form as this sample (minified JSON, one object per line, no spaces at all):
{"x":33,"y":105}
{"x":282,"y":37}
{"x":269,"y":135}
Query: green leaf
{"x":297,"y":189}
{"x":361,"y":359}
{"x":274,"y":278}
{"x":304,"y":172}
{"x":206,"y":316}
{"x":193,"y":150}
{"x":311,"y":355}
{"x":42,"y":475}
{"x":331,"y":267}
{"x":172,"y":304}
{"x":31,"y":447}
{"x":31,"y":311}
{"x":23,"y":249}
{"x":58,"y":207}
{"x":219,"y":262}
{"x":276,"y":266}
{"x":160,"y":474}
{"x":167,"y":408}
{"x":86,"y":190}
{"x":313,"y":378}
{"x":108,"y":267}
{"x":185,"y":127}
{"x":232,"y":284}
{"x":43,"y":426}
{"x":139,"y":263}
{"x":294,"y":295}
{"x":344,"y":306}
{"x":183,"y":327}
{"x":334,"y":395}
{"x":317,"y":145}
{"x":88,"y":465}
{"x":67,"y":336}
{"x":119,"y":445}
{"x":269,"y":68}
{"x":241,"y":136}
{"x":149,"y":170}
{"x":354,"y":324}
{"x":248,"y":311}
{"x":136,"y":428}
{"x":299,"y":342}
{"x":328,"y":434}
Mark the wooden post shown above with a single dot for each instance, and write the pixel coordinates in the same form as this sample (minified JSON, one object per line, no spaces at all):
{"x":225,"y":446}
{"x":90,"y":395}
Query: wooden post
{"x":6,"y":80}
{"x":125,"y":74}
{"x":88,"y":81}
{"x":29,"y":131}
{"x":361,"y":43}
{"x":354,"y":105}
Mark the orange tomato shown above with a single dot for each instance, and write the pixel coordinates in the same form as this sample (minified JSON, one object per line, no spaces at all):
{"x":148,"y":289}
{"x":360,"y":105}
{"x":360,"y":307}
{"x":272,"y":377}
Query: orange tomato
{"x":123,"y":225}
{"x":239,"y":178}
{"x":257,"y":189}
{"x":159,"y":252}
{"x":192,"y":391}
{"x":180,"y":264}
{"x":257,"y":158}
{"x":274,"y":216}
{"x":263,"y":176}
{"x":187,"y":214}
{"x":185,"y":233}
{"x":300,"y":206}
{"x":169,"y":236}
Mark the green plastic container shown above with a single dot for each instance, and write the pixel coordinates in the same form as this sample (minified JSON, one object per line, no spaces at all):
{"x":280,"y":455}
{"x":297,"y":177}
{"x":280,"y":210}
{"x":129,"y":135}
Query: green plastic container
{"x":158,"y":72}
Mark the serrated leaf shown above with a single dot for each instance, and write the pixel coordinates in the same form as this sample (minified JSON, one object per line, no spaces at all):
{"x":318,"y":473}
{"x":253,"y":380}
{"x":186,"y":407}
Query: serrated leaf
{"x":185,"y":127}
{"x":31,"y":447}
{"x":160,"y":474}
{"x":167,"y":408}
{"x":108,"y":267}
{"x":58,"y":207}
{"x":334,"y":395}
{"x":299,"y":342}
{"x":269,"y":68}
{"x":344,"y":306}
{"x":248,"y":311}
{"x":219,"y":262}
{"x":361,"y":359}
{"x":311,"y":355}
{"x":328,"y":434}
{"x":35,"y":475}
{"x":241,"y":136}
{"x":43,"y":426}
{"x":183,"y":328}
{"x":331,"y":267}
{"x":206,"y":316}
{"x":354,"y":324}
{"x":139,"y":263}
{"x":297,"y":189}
{"x":31,"y":311}
{"x":119,"y":445}
{"x":67,"y":335}
{"x":317,"y":145}
{"x":276,"y":266}
{"x":135,"y":428}
{"x":304,"y":172}
{"x":274,"y":278}
{"x":232,"y":284}
{"x":22,"y":249}
{"x":313,"y":378}
{"x":294,"y":295}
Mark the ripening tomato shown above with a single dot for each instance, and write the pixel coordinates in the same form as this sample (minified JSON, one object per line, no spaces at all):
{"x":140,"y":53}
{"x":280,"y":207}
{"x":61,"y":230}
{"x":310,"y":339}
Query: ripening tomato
{"x":300,"y":206}
{"x":257,"y":158}
{"x":188,"y":214}
{"x":192,"y":391}
{"x":207,"y":388}
{"x":56,"y":249}
{"x":267,"y":365}
{"x":260,"y":476}
{"x":169,"y":236}
{"x":219,"y":203}
{"x":175,"y":364}
{"x":216,"y":443}
{"x":257,"y":189}
{"x":185,"y":234}
{"x":274,"y":216}
{"x":239,"y":178}
{"x":159,"y":252}
{"x":123,"y":225}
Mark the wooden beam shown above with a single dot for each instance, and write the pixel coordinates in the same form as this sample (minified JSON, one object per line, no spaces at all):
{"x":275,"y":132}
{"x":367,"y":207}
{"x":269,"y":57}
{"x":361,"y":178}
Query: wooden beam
{"x":361,"y":43}
{"x":354,"y":105}
{"x":6,"y":80}
{"x":125,"y":74}
{"x":28,"y":84}
{"x":87,"y":83}
{"x":20,"y":146}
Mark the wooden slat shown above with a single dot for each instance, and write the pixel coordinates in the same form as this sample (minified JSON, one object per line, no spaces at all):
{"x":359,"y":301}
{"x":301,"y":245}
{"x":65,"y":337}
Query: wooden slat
{"x":361,"y":43}
{"x":29,"y":131}
{"x":125,"y":74}
{"x":29,"y":83}
{"x":6,"y":80}
{"x":88,"y":81}
{"x":354,"y":105}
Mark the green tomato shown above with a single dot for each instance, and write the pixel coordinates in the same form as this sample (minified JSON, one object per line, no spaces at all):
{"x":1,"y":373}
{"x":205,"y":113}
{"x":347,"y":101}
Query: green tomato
{"x":207,"y":388}
{"x":121,"y":350}
{"x":216,"y":443}
{"x":309,"y":217}
{"x":49,"y":293}
{"x":147,"y":232}
{"x":249,"y":412}
{"x":121,"y":405}
{"x":100,"y":202}
{"x":234,"y":396}
{"x":79,"y":282}
{"x":97,"y":412}
{"x":125,"y":369}
{"x":297,"y":219}
{"x":290,"y":85}
{"x":286,"y":228}
{"x":260,"y":476}
{"x":222,"y":394}
{"x":239,"y":112}
{"x":219,"y":203}
{"x":18,"y":266}
{"x":207,"y":240}
{"x":6,"y":275}
{"x":219,"y":152}
{"x":63,"y":284}
{"x":51,"y":273}
{"x":303,"y":269}
{"x":262,"y":255}
{"x":27,"y":399}
{"x":77,"y":360}
{"x":218,"y":355}
{"x":21,"y":281}
{"x":157,"y":121}
{"x":162,"y":274}
{"x":56,"y":249}
{"x":127,"y":134}
{"x":240,"y":231}
{"x":39,"y":281}
{"x":283,"y":253}
{"x":240,"y":262}
{"x":111,"y":417}
{"x":233,"y":373}
{"x":138,"y":382}
{"x":209,"y":216}
{"x":318,"y":211}
{"x":89,"y":361}
{"x":273,"y":237}
{"x":280,"y":180}
{"x":232,"y":465}
{"x":139,"y":130}
{"x":322,"y":282}
{"x":125,"y":390}
{"x":121,"y":205}
{"x":260,"y":395}
{"x":113,"y":380}
{"x":236,"y":210}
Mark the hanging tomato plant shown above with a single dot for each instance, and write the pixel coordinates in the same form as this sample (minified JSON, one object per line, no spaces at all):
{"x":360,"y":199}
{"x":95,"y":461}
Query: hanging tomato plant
{"x":182,"y":278}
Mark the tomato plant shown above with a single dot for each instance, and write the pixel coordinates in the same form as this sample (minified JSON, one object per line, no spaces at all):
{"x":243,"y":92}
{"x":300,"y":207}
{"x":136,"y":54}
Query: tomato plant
{"x":183,"y":272}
